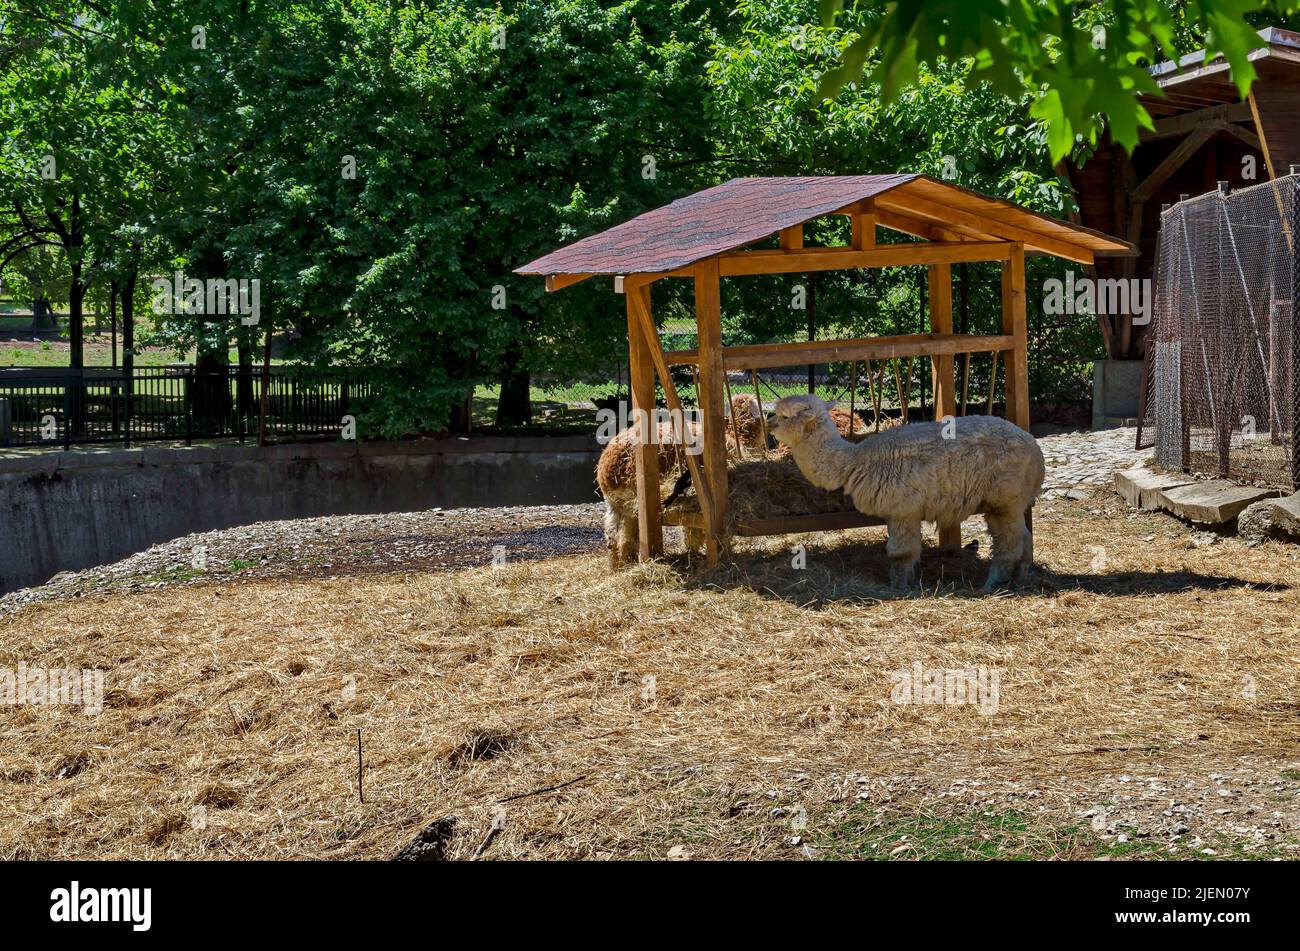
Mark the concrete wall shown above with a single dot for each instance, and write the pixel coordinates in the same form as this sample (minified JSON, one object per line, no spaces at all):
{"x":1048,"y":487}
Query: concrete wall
{"x":63,"y":511}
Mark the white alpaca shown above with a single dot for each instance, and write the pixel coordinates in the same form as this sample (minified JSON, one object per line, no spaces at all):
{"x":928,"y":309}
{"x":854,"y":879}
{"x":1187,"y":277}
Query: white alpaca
{"x":931,"y":472}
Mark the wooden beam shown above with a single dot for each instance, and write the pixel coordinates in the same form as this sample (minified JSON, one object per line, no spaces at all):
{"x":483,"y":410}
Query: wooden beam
{"x":1015,"y":323}
{"x":624,"y":282}
{"x":1210,"y":117}
{"x":791,"y":238}
{"x":708,"y":328}
{"x":645,"y":321}
{"x":783,"y":524}
{"x":648,"y":509}
{"x":939,"y":280}
{"x":862,"y":225}
{"x":1244,"y":134}
{"x":943,"y":214}
{"x":1259,"y":131}
{"x":906,"y":224}
{"x":1172,"y":163}
{"x":796,"y":524}
{"x":734,"y":263}
{"x":555,"y":282}
{"x":760,"y":355}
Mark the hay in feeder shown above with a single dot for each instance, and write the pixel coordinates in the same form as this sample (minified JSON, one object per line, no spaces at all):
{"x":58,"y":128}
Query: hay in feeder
{"x":767,"y":488}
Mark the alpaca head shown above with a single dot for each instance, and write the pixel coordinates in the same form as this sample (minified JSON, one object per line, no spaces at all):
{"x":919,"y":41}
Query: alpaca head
{"x":798,"y":417}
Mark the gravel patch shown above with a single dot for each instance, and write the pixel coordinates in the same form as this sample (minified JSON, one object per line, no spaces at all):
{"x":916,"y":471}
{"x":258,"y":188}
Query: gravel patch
{"x":438,"y":539}
{"x":339,"y":546}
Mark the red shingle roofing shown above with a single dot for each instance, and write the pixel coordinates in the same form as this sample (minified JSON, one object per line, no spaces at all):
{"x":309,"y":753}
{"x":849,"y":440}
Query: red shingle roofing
{"x":708,"y":222}
{"x":745,"y":210}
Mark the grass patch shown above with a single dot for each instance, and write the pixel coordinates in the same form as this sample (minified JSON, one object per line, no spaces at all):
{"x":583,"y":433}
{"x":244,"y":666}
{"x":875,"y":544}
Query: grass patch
{"x":1003,"y":835}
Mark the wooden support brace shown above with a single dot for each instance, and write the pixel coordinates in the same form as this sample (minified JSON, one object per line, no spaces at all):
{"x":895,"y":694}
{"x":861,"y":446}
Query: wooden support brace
{"x":708,"y":324}
{"x":650,"y":530}
{"x":640,"y":311}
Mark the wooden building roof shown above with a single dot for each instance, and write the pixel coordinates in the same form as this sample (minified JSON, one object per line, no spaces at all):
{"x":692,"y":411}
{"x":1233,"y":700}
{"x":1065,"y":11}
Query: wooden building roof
{"x":746,"y":210}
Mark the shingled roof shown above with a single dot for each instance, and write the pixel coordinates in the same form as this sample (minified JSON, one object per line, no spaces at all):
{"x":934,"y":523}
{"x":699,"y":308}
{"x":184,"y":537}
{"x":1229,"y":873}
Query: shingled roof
{"x":745,"y":210}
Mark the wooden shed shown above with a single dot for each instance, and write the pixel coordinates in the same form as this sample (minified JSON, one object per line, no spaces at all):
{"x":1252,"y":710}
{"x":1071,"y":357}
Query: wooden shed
{"x":1205,"y":133}
{"x":704,"y":237}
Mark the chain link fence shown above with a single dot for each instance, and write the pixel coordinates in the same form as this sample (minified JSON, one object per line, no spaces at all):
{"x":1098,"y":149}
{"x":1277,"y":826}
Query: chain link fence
{"x":1221,"y":396}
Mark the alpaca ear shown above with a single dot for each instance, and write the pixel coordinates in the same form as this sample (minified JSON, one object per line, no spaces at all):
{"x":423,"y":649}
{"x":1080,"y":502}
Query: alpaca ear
{"x":791,"y":406}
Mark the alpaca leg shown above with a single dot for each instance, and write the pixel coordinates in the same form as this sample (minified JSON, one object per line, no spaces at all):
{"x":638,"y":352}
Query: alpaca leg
{"x":1008,"y":533}
{"x":904,"y":551}
{"x":1026,"y":564}
{"x":629,"y":538}
{"x":613,"y":523}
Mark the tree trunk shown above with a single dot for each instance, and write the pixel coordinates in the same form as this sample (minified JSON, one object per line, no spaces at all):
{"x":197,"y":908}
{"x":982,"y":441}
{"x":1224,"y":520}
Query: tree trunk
{"x":514,"y":407}
{"x":76,"y":421}
{"x":112,"y":317}
{"x":460,"y":417}
{"x":76,"y":326}
{"x":211,"y":393}
{"x":244,"y":387}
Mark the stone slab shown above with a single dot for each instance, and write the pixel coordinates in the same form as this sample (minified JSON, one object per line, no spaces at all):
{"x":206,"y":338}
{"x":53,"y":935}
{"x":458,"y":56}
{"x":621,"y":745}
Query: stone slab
{"x":1141,"y":487}
{"x":1212,"y":503}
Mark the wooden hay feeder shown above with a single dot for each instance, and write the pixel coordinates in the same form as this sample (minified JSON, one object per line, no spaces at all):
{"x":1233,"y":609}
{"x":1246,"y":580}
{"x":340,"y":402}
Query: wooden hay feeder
{"x":703,"y":237}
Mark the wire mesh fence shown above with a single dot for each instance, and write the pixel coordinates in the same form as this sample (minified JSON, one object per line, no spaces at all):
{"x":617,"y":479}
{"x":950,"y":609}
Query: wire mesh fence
{"x":1221,"y":395}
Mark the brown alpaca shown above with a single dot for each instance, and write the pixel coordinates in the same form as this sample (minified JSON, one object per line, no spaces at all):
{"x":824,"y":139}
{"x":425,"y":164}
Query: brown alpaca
{"x":616,"y":470}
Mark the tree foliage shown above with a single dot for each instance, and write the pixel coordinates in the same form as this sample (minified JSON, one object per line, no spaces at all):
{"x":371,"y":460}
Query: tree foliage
{"x":1081,"y":64}
{"x":381,"y":167}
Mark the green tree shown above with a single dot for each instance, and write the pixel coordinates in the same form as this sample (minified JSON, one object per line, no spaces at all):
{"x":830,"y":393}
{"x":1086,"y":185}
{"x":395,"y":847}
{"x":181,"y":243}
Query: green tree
{"x":1082,"y":65}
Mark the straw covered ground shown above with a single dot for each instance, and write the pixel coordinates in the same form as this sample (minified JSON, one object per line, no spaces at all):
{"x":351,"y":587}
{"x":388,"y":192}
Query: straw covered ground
{"x":1146,"y":707}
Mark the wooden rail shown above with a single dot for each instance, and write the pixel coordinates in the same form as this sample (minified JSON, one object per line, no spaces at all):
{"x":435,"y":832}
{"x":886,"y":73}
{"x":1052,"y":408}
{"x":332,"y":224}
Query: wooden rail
{"x":757,"y":356}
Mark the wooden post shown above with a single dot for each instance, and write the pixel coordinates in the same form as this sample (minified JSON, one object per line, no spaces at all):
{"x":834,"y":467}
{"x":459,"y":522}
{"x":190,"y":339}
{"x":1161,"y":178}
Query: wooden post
{"x":1014,"y":322}
{"x":862,"y":225}
{"x":708,"y":325}
{"x":945,"y":392}
{"x":650,"y":535}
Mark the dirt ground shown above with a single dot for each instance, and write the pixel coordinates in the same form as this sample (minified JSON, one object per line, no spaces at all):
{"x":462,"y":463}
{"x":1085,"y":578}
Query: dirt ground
{"x":1146,"y":702}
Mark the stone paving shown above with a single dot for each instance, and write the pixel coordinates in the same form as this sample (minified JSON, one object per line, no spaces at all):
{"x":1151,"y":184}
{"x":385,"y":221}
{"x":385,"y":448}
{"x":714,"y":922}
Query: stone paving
{"x":1077,"y":463}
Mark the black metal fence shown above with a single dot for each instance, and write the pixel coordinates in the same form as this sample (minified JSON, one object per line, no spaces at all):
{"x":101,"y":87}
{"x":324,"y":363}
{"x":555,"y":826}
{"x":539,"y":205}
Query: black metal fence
{"x":65,"y":408}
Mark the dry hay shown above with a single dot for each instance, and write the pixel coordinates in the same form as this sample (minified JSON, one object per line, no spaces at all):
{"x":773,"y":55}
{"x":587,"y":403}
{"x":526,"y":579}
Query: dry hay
{"x":620,"y":714}
{"x":766,"y":489}
{"x":773,"y":486}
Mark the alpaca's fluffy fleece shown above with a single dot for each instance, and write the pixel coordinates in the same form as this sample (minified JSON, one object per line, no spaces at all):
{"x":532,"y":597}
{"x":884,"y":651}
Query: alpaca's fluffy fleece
{"x":931,"y":472}
{"x":616,"y":471}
